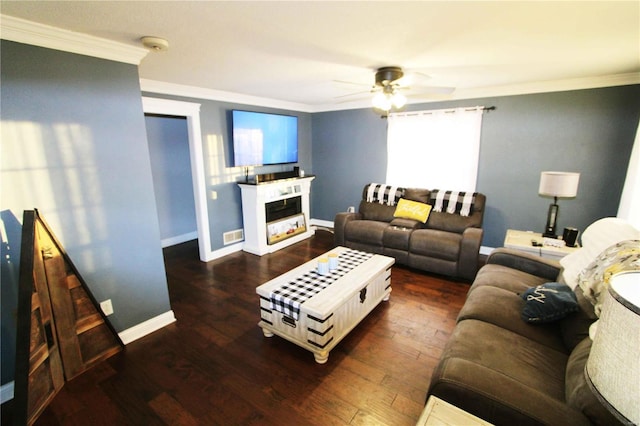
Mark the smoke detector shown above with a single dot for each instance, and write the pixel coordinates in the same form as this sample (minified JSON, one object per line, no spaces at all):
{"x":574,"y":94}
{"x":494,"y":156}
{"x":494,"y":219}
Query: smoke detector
{"x":156,"y":44}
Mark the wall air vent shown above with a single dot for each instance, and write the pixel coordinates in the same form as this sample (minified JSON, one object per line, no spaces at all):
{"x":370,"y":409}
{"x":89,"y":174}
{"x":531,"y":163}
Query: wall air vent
{"x":233,"y":236}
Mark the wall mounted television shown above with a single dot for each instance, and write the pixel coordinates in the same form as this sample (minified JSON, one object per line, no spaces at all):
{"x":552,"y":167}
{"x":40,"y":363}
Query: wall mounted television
{"x":260,"y":139}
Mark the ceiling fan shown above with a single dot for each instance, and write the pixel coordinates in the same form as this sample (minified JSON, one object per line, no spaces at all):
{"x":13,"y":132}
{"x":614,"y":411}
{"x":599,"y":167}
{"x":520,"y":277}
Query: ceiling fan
{"x":389,"y":84}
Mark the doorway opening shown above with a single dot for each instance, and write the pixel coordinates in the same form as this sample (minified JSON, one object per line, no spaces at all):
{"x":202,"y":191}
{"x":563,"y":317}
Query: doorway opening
{"x":191,"y":111}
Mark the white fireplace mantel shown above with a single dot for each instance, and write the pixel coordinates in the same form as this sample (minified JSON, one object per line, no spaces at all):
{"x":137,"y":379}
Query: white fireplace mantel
{"x":254,"y":199}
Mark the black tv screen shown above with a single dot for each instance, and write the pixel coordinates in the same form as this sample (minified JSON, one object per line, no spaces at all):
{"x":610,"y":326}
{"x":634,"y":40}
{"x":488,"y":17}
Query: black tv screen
{"x":260,"y":138}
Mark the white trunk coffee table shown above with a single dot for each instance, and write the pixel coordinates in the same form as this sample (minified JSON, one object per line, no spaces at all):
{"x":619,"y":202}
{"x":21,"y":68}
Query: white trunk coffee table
{"x":317,"y":311}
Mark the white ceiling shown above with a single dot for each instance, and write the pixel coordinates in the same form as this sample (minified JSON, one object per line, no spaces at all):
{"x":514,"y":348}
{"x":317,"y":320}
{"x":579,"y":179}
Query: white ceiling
{"x":298,"y":51}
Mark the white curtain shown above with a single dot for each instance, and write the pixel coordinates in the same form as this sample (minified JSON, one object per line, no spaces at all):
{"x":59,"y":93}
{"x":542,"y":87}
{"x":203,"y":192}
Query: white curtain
{"x":434,"y":149}
{"x":629,"y":208}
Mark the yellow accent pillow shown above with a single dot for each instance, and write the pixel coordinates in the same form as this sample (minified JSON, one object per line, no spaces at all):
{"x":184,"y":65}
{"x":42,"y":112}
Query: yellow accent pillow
{"x":408,"y":209}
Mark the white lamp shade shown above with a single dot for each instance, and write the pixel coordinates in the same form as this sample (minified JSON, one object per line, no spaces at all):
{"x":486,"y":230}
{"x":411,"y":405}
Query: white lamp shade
{"x":613,"y":367}
{"x":559,"y":184}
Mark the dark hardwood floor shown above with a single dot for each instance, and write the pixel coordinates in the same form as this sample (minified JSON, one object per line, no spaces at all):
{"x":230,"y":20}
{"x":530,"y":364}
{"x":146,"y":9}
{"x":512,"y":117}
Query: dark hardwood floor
{"x":214,"y":366}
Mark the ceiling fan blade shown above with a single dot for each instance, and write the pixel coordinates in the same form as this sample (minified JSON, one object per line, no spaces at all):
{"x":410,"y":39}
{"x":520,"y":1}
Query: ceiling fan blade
{"x":412,"y":78}
{"x":357,"y":99}
{"x":352,"y":83}
{"x":429,"y":90}
{"x":353,"y":94}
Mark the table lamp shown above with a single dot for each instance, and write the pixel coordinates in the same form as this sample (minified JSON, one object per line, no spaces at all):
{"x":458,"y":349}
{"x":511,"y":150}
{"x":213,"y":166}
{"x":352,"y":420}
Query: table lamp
{"x":613,"y":367}
{"x":557,"y":185}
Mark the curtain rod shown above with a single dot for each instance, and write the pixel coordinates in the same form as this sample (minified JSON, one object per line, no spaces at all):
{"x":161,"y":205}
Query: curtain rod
{"x":491,"y":108}
{"x":445,"y":110}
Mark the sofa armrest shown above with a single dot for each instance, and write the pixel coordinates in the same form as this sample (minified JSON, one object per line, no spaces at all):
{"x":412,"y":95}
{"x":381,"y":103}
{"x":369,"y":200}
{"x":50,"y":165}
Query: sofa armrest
{"x":542,"y":267}
{"x":339,"y":224}
{"x":469,"y":251}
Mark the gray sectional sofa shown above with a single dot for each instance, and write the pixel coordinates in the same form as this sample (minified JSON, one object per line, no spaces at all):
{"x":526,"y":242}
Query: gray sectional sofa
{"x":448,"y":243}
{"x":508,"y":371}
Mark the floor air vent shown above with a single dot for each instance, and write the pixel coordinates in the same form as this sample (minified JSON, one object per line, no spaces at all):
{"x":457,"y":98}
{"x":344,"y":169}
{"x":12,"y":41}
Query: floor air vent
{"x":233,"y":236}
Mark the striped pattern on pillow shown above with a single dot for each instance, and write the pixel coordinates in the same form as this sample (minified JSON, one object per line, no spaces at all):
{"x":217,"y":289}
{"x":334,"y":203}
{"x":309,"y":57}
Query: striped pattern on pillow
{"x":384,"y":194}
{"x":453,"y":201}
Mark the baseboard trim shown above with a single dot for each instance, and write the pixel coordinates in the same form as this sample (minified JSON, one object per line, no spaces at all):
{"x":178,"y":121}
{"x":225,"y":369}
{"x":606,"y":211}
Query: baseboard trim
{"x":6,"y":392}
{"x":179,"y":239}
{"x":321,"y":223}
{"x":147,"y":327}
{"x":216,"y":254}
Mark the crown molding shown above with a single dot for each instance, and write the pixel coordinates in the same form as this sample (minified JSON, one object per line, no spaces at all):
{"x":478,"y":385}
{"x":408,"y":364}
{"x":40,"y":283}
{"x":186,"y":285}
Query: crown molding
{"x":33,"y":33}
{"x":551,"y":86}
{"x":161,"y":87}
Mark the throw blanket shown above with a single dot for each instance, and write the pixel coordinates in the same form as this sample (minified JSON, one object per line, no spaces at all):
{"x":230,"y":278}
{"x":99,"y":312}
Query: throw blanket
{"x":453,"y":201}
{"x":384,"y":194}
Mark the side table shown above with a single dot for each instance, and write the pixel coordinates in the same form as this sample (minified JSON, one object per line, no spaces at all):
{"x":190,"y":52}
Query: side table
{"x":523,"y":241}
{"x":440,"y":413}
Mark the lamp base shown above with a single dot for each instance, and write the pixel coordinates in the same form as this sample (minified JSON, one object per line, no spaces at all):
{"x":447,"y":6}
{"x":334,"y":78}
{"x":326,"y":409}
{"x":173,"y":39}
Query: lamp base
{"x":550,"y":228}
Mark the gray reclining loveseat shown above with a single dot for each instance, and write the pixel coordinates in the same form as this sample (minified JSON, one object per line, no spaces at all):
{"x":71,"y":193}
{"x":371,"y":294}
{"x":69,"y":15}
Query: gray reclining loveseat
{"x":448,"y":243}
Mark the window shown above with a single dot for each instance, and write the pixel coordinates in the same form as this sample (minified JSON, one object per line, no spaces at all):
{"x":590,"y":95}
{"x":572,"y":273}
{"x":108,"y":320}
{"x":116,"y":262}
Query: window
{"x":434,"y":149}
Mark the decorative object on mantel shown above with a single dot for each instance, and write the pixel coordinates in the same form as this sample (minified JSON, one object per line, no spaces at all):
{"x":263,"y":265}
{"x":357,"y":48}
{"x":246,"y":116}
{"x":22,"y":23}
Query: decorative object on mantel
{"x":557,"y":185}
{"x":613,"y":368}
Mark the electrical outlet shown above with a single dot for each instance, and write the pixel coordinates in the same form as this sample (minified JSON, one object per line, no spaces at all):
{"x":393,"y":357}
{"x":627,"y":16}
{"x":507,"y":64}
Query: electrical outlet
{"x":107,"y":307}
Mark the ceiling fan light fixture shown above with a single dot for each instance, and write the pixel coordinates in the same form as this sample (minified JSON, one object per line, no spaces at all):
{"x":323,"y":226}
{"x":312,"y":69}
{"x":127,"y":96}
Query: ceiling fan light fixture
{"x":387,"y":90}
{"x":381,"y":101}
{"x":398,"y":100}
{"x":387,"y":75}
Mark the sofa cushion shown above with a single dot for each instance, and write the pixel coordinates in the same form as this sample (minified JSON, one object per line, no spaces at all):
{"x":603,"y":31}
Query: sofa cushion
{"x":435,"y":244}
{"x":503,"y":377}
{"x":417,"y":194}
{"x":365,"y":231}
{"x":548,"y":302}
{"x":394,"y":237}
{"x":376,"y":211}
{"x":505,"y":278}
{"x":575,"y":327}
{"x":502,"y":308}
{"x":577,"y":391}
{"x":451,"y":222}
{"x":408,"y":209}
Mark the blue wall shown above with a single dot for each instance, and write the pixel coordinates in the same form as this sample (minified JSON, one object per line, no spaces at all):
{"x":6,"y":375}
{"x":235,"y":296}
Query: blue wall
{"x":586,"y":131}
{"x":168,"y":140}
{"x":74,"y":146}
